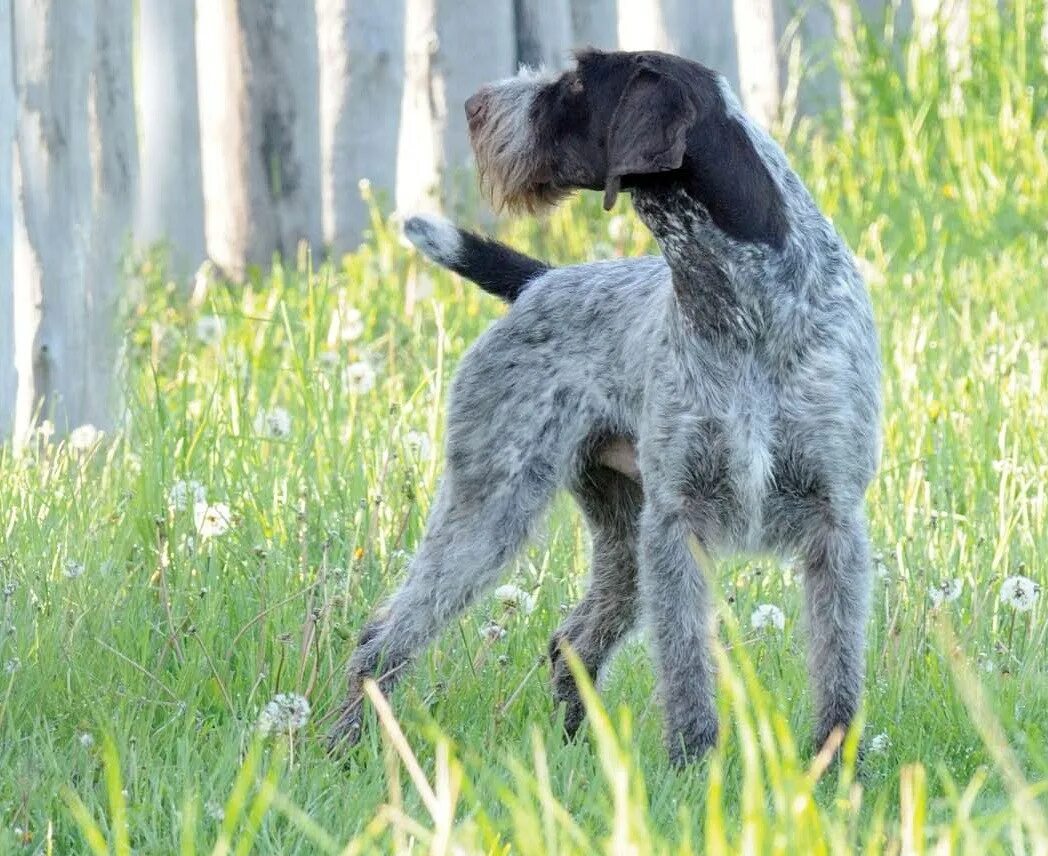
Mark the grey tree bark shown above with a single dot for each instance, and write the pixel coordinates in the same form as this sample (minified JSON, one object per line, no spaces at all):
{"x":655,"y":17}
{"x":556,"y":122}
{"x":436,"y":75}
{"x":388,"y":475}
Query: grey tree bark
{"x":54,"y":52}
{"x":7,"y":132}
{"x":361,"y":49}
{"x":757,"y":54}
{"x":171,"y":190}
{"x":595,"y":23}
{"x":114,"y":163}
{"x":702,"y":30}
{"x":260,"y":140}
{"x":544,"y":36}
{"x":451,"y":48}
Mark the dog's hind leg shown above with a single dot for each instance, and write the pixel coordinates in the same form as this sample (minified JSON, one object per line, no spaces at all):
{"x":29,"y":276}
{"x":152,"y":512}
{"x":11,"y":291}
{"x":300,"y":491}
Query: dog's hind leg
{"x":837,"y":576}
{"x":611,"y":504}
{"x":501,"y":474}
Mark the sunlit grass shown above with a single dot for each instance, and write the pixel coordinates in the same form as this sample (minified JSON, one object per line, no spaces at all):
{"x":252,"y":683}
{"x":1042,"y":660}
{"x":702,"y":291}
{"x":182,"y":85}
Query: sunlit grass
{"x":138,"y":655}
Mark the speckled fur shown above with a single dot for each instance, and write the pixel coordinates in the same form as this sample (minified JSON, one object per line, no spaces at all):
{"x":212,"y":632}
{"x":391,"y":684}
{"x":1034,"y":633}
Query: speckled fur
{"x":748,"y":378}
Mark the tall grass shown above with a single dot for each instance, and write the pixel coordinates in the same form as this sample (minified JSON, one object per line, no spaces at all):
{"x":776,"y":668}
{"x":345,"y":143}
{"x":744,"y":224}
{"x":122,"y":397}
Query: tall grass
{"x":138,"y":655}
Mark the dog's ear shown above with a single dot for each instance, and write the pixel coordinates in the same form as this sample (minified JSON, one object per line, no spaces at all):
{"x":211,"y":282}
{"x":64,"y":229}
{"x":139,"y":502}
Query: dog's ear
{"x":648,"y":130}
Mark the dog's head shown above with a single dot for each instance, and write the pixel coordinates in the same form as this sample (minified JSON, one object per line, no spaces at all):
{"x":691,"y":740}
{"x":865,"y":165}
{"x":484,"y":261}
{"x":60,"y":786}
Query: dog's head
{"x":617,"y":120}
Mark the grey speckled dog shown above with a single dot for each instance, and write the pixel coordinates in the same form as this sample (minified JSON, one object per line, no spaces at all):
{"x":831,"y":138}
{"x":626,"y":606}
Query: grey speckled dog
{"x":727,"y":391}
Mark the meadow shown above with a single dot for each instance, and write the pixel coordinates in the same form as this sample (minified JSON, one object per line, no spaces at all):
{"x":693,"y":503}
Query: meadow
{"x":165,"y":582}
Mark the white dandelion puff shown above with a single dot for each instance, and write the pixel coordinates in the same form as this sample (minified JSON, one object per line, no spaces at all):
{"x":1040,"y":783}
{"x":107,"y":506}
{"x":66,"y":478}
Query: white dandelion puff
{"x":273,"y":423}
{"x":286,"y":712}
{"x":12,"y":665}
{"x":880,"y":743}
{"x":214,"y":810}
{"x":945,"y":592}
{"x":767,"y":616}
{"x":46,"y":430}
{"x":328,"y":359}
{"x":419,"y":444}
{"x":513,"y":597}
{"x":347,"y":325}
{"x":73,"y":569}
{"x":185,"y":493}
{"x":492,"y":632}
{"x":210,"y":329}
{"x":358,"y":377}
{"x":212,"y":519}
{"x":364,"y":186}
{"x":84,"y":437}
{"x":1020,"y":593}
{"x":86,"y":740}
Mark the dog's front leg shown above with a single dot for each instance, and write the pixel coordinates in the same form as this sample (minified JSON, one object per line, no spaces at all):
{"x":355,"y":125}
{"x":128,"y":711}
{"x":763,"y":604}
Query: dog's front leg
{"x":676,"y":601}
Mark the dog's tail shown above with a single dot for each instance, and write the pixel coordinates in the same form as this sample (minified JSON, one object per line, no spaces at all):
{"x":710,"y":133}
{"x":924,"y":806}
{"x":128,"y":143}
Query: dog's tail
{"x":498,"y":269}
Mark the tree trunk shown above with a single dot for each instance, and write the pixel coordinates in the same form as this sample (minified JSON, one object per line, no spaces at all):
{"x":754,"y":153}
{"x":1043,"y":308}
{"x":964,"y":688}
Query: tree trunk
{"x":594,"y":24}
{"x":361,"y":47}
{"x":758,"y":59}
{"x":114,"y":161}
{"x":7,"y":131}
{"x":54,"y":53}
{"x":451,"y":48}
{"x":702,"y":30}
{"x":259,"y":116}
{"x":171,"y":197}
{"x":544,"y":37}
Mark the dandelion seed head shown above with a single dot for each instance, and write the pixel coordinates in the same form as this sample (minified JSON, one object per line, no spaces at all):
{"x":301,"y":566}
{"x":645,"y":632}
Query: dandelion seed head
{"x":84,"y":437}
{"x":513,"y":597}
{"x":359,"y":377}
{"x":419,"y":444}
{"x":273,"y":423}
{"x":1020,"y":593}
{"x":880,"y":743}
{"x":945,"y":592}
{"x":284,"y":713}
{"x":210,"y":329}
{"x":86,"y":740}
{"x":73,"y":569}
{"x":492,"y":632}
{"x":185,"y":493}
{"x":347,"y":325}
{"x":212,"y":520}
{"x":767,"y":616}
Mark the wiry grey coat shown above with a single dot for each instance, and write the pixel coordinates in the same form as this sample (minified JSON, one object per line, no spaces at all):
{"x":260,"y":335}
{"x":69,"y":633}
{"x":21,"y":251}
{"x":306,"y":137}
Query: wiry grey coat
{"x":725,"y":392}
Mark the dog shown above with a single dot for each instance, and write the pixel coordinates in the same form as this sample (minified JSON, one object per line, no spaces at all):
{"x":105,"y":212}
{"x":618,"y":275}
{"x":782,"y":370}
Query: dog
{"x":721,"y":398}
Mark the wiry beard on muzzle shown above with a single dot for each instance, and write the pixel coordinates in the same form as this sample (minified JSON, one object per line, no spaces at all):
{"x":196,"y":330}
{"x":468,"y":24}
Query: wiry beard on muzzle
{"x":515,"y":174}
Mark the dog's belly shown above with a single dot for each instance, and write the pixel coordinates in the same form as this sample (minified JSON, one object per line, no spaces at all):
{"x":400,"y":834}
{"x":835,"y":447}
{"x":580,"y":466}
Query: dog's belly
{"x":620,"y":454}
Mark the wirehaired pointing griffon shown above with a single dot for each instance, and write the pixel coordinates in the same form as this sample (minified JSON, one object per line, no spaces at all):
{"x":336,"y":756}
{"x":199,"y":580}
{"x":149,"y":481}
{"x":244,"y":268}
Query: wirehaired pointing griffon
{"x":727,"y":391}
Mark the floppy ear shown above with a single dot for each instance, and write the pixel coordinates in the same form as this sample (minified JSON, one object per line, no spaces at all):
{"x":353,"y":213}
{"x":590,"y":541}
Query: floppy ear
{"x":648,"y":130}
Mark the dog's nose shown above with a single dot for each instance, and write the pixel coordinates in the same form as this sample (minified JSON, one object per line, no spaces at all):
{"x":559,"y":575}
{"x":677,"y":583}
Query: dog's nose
{"x":475,"y":106}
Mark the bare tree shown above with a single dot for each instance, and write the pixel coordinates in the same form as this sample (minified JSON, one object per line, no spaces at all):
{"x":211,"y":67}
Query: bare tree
{"x":54,"y":52}
{"x":114,"y":161}
{"x":171,"y":197}
{"x":361,"y":48}
{"x":544,"y":37}
{"x":757,"y":58}
{"x":7,"y":131}
{"x":594,"y":23}
{"x":451,"y":48}
{"x":259,"y":115}
{"x":702,"y":30}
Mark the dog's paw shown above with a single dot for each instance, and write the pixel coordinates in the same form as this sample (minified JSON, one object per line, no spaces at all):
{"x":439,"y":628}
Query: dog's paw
{"x":346,"y":732}
{"x":435,"y":237}
{"x":691,"y":743}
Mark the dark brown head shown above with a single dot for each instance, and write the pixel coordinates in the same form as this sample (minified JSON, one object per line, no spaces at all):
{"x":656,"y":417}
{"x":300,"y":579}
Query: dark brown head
{"x":617,"y":121}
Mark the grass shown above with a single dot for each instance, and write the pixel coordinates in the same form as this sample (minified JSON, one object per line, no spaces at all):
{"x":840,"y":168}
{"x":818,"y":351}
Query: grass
{"x":138,"y":655}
